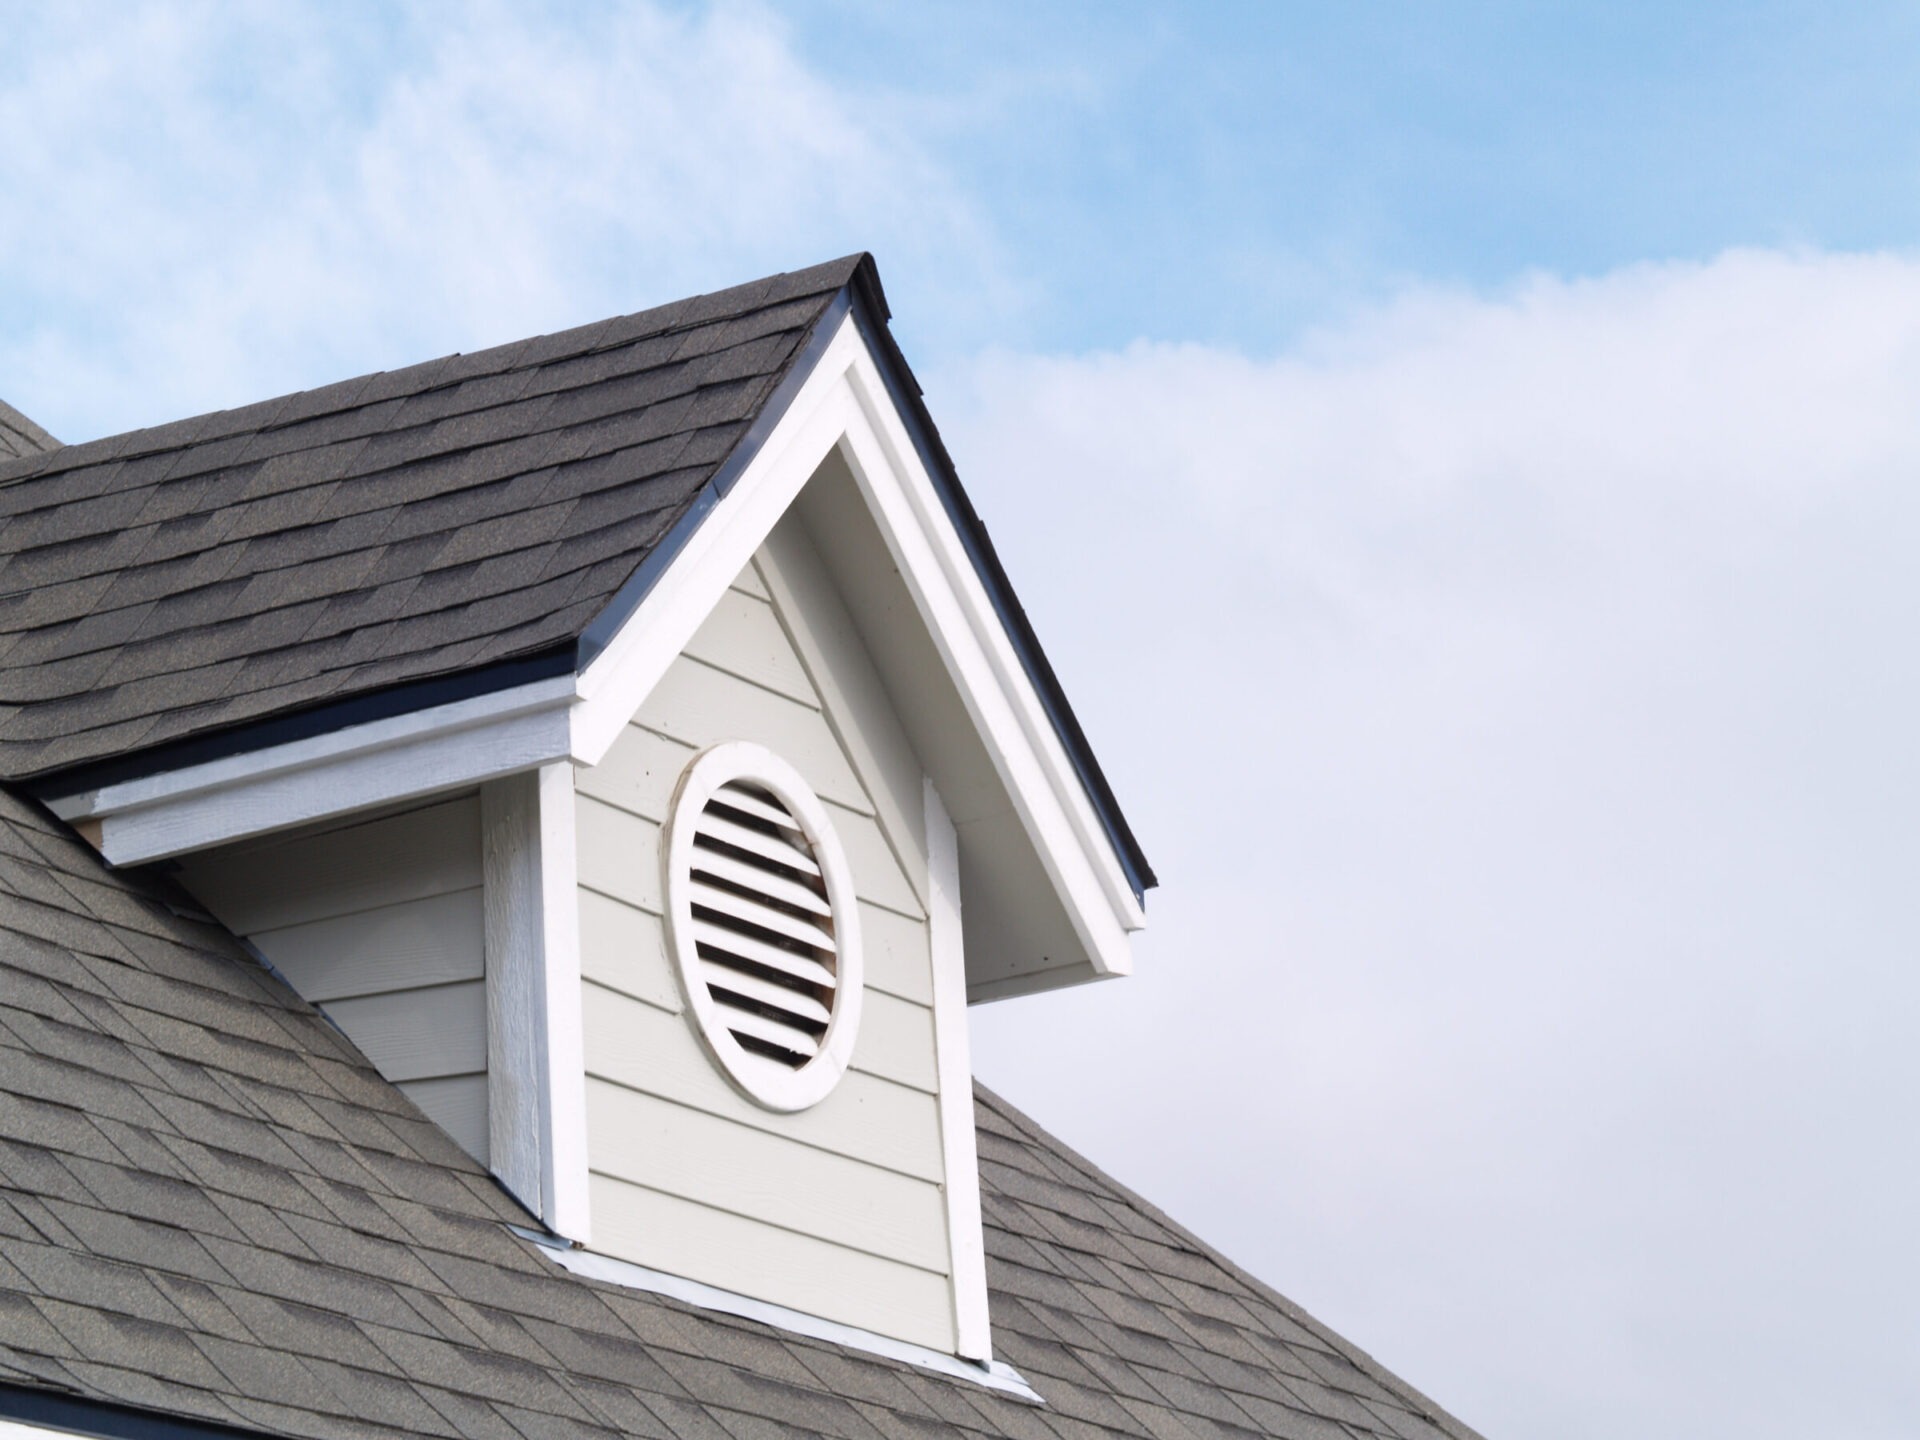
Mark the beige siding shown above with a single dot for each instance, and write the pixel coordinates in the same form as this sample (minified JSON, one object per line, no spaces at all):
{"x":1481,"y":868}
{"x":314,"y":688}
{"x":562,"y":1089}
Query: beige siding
{"x":684,"y":1237}
{"x":837,"y":1210}
{"x":379,"y":924}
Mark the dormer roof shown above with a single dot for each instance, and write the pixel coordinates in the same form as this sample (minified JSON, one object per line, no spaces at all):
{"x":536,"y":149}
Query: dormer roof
{"x":414,"y":537}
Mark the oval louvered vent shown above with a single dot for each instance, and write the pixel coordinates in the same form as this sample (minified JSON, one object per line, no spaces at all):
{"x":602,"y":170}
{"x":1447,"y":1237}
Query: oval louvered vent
{"x":763,"y":925}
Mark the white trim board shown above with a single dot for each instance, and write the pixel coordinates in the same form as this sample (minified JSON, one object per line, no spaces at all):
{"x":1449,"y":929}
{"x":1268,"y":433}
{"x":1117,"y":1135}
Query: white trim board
{"x":404,"y":757}
{"x":536,"y":1065}
{"x":960,"y":1148}
{"x":993,"y":1374}
{"x":842,"y":405}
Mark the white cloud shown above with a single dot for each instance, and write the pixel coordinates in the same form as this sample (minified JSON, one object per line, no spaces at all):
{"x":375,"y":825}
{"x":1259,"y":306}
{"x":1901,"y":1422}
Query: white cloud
{"x":1517,"y":695}
{"x":209,"y":204}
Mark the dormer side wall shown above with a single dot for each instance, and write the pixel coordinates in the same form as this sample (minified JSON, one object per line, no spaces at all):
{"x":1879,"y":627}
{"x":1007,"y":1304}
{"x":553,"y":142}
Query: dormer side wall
{"x":379,"y":923}
{"x":839,"y":1210}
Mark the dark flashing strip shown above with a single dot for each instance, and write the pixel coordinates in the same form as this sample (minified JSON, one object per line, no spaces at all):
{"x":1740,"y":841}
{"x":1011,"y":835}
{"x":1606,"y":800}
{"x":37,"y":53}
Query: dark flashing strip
{"x":77,"y":1416}
{"x":628,"y":598}
{"x":870,"y":314}
{"x":402,"y":699}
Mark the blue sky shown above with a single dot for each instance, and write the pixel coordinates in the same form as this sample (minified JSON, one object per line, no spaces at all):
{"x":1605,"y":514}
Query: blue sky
{"x":1460,"y":461}
{"x":1227,"y":173}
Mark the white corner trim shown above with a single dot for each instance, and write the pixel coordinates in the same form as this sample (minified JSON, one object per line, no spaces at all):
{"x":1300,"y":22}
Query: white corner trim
{"x":994,"y":1375}
{"x":463,"y":743}
{"x":960,"y":1157}
{"x":536,"y":1069}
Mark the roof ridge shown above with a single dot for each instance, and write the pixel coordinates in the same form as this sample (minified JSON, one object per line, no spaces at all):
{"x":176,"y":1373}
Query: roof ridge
{"x":1361,"y":1360}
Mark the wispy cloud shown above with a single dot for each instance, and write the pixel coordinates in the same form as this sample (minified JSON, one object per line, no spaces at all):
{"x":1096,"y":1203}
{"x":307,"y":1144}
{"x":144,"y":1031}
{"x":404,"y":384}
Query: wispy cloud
{"x":208,"y":204}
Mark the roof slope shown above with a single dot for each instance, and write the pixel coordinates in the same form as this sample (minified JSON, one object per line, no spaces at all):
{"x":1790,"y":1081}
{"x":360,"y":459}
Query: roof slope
{"x":20,"y":437}
{"x":414,"y":523}
{"x":214,"y":1207}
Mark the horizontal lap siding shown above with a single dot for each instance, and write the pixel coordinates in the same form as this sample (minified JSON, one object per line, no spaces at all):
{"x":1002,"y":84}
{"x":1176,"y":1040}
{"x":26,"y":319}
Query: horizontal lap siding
{"x":837,"y":1210}
{"x":379,"y":924}
{"x":683,"y":1237}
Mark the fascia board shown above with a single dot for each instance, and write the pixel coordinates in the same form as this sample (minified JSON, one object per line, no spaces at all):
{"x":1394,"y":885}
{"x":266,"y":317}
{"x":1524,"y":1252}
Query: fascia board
{"x":1101,"y":913}
{"x":914,"y":511}
{"x":442,"y":748}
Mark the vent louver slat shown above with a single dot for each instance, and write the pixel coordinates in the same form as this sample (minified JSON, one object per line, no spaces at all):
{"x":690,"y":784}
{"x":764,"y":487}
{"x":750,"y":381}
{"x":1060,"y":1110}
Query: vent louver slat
{"x":709,"y":937}
{"x":760,"y":880}
{"x":763,"y":925}
{"x":766,"y":992}
{"x":725,"y":905}
{"x":718,"y":829}
{"x":757,"y":1031}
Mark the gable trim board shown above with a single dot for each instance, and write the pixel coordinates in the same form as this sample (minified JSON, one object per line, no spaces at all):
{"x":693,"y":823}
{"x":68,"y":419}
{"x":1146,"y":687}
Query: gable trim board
{"x":843,"y":403}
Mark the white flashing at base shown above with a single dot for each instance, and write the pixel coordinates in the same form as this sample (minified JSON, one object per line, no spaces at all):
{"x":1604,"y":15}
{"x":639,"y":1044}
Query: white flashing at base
{"x":994,"y":1374}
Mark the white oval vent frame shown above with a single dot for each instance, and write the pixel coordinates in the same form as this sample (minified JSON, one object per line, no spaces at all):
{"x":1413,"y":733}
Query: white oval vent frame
{"x":763,"y":925}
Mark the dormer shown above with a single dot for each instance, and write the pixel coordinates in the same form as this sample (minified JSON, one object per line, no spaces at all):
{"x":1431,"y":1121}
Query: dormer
{"x":629,"y":739}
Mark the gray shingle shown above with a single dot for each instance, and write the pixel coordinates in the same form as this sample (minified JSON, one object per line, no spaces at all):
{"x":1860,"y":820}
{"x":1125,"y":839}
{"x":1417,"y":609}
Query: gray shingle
{"x":456,"y":452}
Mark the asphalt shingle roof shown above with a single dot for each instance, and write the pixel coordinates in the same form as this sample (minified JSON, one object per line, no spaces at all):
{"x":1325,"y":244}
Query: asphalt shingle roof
{"x":20,"y":437}
{"x":460,"y":523}
{"x":213,"y":1207}
{"x":475,"y":509}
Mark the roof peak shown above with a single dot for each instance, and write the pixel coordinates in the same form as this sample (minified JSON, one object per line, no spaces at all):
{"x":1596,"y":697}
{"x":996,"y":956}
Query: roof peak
{"x":20,"y":437}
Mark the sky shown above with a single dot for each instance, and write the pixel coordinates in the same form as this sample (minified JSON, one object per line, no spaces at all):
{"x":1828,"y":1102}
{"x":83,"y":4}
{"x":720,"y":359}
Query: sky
{"x":1461,"y":461}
